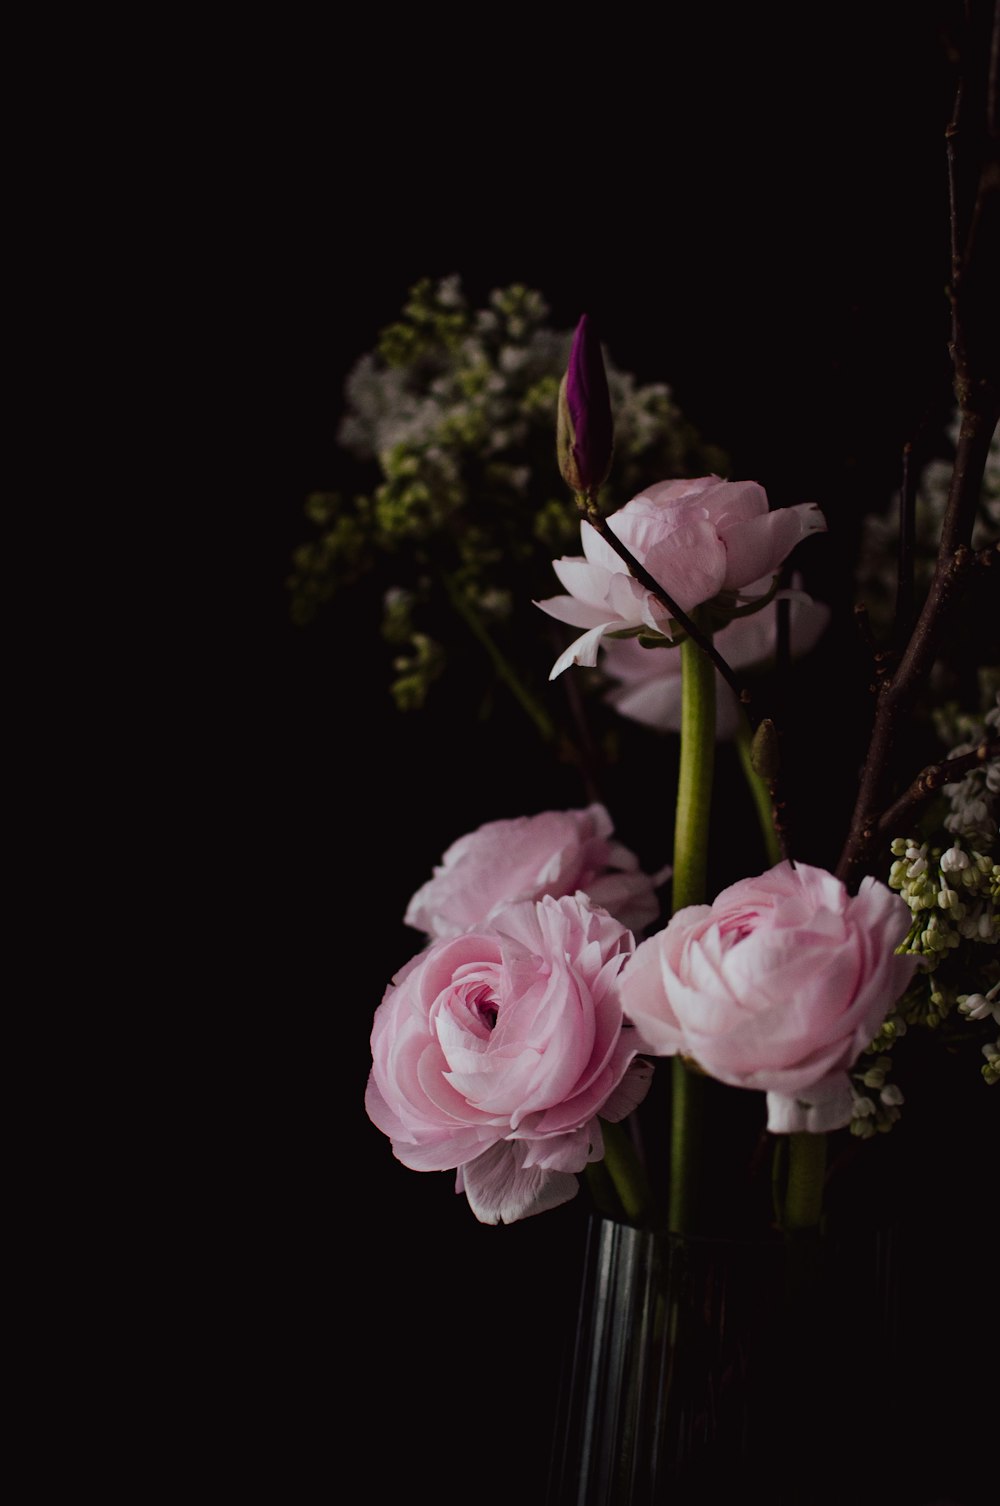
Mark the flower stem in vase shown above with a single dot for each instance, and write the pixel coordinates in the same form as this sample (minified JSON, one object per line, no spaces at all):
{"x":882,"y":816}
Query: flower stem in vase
{"x":694,"y":798}
{"x":627,"y":1174}
{"x":804,"y":1192}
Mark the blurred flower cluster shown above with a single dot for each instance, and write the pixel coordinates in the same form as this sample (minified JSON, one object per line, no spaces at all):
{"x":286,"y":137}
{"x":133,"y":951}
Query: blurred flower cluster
{"x":456,"y":409}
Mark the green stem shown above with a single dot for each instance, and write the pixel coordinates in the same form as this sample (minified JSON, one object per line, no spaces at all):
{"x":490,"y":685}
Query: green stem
{"x":804,"y":1191}
{"x":602,"y":1190}
{"x":694,"y":798}
{"x":505,"y":670}
{"x":761,"y":795}
{"x":627,"y":1174}
{"x":687,"y":1093}
{"x":694,"y":784}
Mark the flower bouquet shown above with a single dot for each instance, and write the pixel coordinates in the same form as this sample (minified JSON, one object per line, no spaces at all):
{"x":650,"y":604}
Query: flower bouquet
{"x":705,"y":1038}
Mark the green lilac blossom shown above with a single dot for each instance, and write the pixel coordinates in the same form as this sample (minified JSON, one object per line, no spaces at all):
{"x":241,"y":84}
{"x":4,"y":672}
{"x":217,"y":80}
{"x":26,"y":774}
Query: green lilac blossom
{"x":455,"y":409}
{"x":950,"y":879}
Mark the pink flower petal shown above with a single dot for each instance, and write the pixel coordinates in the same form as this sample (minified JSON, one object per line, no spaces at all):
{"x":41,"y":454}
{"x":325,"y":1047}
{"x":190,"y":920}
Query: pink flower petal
{"x":501,"y":1191}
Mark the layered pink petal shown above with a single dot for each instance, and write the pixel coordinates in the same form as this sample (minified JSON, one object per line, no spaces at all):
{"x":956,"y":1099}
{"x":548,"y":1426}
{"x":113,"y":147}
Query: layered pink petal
{"x":777,"y":986}
{"x":497,"y":1049}
{"x":501,"y":1190}
{"x":759,"y":546}
{"x":696,"y":538}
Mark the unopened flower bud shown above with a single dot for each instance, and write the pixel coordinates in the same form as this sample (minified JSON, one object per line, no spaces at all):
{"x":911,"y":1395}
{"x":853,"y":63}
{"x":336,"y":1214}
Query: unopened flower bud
{"x":585,"y":432}
{"x":891,"y":1096}
{"x":764,"y":751}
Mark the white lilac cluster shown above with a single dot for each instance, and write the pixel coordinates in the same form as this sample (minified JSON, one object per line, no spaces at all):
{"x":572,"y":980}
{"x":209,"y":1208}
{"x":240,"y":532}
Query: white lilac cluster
{"x":456,"y":408}
{"x":952,"y":887}
{"x":973,"y":798}
{"x":495,"y":358}
{"x":877,"y":1101}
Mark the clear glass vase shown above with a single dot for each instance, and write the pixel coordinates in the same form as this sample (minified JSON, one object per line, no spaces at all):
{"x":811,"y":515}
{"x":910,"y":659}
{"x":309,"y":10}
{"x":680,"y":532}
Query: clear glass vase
{"x":716,"y":1370}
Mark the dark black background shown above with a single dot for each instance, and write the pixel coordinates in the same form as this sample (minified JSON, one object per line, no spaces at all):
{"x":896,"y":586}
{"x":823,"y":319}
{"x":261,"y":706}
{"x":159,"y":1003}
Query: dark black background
{"x":751,"y":208}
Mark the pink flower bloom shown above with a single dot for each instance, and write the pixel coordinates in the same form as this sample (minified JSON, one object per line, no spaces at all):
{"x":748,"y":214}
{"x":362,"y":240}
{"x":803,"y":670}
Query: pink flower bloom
{"x":557,"y":852}
{"x":495,"y":1051}
{"x":696,"y":538}
{"x":649,"y":679}
{"x":778,"y":985}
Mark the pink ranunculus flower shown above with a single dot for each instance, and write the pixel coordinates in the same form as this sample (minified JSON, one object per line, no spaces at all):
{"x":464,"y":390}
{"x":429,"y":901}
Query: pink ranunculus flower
{"x":696,"y":538}
{"x":778,"y":985}
{"x":494,"y":1052}
{"x":649,"y":679}
{"x":556,"y":852}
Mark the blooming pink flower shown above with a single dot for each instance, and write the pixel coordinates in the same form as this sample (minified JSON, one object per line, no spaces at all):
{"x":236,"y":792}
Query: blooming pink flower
{"x":779,"y":985}
{"x":557,"y":852}
{"x":494,"y":1052}
{"x":696,"y":538}
{"x":649,"y":679}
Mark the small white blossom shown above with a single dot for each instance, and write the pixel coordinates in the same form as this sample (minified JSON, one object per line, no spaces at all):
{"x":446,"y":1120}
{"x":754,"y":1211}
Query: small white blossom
{"x":975,"y":1007}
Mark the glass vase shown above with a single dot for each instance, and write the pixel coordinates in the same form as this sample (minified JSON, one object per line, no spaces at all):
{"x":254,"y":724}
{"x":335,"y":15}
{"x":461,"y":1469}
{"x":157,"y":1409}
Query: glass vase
{"x":714,"y":1370}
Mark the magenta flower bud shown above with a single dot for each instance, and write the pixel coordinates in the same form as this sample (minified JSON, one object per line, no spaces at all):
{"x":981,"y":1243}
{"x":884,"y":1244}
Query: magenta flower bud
{"x":585,"y":434}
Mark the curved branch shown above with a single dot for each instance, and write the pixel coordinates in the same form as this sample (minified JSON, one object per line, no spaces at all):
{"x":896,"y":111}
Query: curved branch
{"x":690,"y":627}
{"x":929,"y":781}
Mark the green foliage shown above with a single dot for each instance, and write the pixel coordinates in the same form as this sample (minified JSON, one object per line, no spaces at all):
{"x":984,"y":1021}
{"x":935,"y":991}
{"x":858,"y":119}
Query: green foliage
{"x":456,"y":409}
{"x":339,"y":557}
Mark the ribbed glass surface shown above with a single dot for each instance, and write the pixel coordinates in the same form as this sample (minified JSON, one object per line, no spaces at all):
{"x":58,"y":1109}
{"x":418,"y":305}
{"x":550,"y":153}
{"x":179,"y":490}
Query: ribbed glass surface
{"x":704,"y":1371}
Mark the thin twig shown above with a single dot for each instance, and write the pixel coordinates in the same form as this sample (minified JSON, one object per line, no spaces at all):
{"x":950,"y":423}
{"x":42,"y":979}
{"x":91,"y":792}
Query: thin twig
{"x":690,"y":627}
{"x":863,"y":623}
{"x":993,"y":80}
{"x":979,"y":402}
{"x":904,"y":567}
{"x":957,"y":345}
{"x":896,"y":696}
{"x":929,"y":781}
{"x":504,"y":670}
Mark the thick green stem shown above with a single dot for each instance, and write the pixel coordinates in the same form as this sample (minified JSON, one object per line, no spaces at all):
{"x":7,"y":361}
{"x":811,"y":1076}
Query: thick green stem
{"x":804,"y":1192}
{"x":627,"y":1174}
{"x":687,"y":1091}
{"x":761,"y":796}
{"x":602,"y":1190}
{"x":694,"y":784}
{"x":694,"y":798}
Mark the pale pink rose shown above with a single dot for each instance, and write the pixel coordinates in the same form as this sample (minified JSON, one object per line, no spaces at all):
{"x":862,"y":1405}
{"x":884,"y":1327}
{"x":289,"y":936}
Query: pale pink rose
{"x":649,"y":679}
{"x":557,"y":852}
{"x":778,"y":985}
{"x":494,"y":1052}
{"x":696,"y":538}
